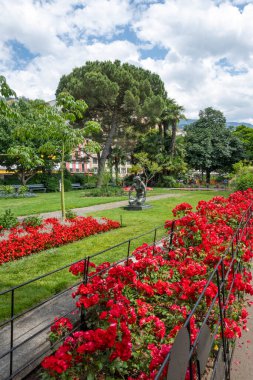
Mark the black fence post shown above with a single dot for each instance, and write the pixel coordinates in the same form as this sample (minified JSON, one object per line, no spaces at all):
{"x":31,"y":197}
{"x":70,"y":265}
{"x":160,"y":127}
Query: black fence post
{"x":190,"y":359}
{"x":154,"y":241}
{"x":83,"y":311}
{"x":221,"y":320}
{"x":128,"y":250}
{"x":12,"y":330}
{"x":172,"y":232}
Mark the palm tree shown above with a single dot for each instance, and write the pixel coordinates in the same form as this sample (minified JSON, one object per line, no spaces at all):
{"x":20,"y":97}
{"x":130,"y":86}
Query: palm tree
{"x":116,"y":158}
{"x":171,"y":116}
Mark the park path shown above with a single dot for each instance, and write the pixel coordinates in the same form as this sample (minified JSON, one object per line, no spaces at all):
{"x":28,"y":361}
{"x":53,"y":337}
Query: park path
{"x":104,"y":206}
{"x":242,"y":363}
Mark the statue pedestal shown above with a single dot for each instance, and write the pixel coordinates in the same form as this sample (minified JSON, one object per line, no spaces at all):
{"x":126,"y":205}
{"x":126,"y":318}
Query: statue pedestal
{"x":137,"y":207}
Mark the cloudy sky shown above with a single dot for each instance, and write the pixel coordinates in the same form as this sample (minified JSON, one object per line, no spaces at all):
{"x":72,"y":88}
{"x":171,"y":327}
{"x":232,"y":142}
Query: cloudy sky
{"x":202,"y":49}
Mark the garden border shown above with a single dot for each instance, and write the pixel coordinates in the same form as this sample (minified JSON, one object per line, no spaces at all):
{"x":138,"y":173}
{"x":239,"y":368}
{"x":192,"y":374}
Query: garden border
{"x":221,"y":365}
{"x":28,"y":367}
{"x":198,"y":351}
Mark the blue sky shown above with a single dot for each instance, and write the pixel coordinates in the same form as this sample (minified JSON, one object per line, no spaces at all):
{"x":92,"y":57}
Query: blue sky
{"x":202,"y":49}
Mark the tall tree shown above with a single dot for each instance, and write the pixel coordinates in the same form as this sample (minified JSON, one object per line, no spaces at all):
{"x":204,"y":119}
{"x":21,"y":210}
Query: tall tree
{"x":5,"y":93}
{"x":170,"y":117}
{"x":118,"y":96}
{"x":40,"y":136}
{"x":210,"y":145}
{"x":245,"y":134}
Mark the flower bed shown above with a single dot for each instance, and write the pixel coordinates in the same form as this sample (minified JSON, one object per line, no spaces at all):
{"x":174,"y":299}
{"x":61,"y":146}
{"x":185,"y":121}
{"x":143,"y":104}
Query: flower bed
{"x":25,"y":240}
{"x":134,"y":311}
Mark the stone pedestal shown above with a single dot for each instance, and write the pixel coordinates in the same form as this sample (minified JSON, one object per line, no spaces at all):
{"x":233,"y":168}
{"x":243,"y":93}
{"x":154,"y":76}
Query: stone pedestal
{"x":137,"y":207}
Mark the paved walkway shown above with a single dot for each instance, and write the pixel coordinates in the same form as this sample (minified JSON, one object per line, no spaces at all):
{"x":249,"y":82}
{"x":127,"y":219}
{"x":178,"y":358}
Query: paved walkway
{"x":104,"y":206}
{"x":242,"y":363}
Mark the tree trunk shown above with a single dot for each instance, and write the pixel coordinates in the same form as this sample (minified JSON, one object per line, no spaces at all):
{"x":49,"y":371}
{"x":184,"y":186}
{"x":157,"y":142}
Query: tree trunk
{"x":117,"y":172}
{"x":166,"y":137}
{"x":105,"y":153}
{"x":173,"y":138}
{"x":25,"y":178}
{"x":208,"y":176}
{"x":63,"y":211}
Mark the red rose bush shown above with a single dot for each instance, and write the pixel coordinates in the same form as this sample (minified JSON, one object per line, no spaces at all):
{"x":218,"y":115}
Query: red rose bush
{"x":135,"y":310}
{"x":25,"y":240}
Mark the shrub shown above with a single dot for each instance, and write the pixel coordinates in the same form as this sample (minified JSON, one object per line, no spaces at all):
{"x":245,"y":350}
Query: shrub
{"x":70,"y":214}
{"x":7,"y":189}
{"x":22,"y":190}
{"x":8,"y":219}
{"x":168,"y":181}
{"x":105,"y":191}
{"x":67,"y":185}
{"x":52,"y":184}
{"x":78,"y":178}
{"x":243,"y":178}
{"x":243,"y":181}
{"x":32,"y":221}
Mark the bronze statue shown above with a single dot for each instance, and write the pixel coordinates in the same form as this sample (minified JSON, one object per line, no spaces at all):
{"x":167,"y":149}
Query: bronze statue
{"x":137,"y":192}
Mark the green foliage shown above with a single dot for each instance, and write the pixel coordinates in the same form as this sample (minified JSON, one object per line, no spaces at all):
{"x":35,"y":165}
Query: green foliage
{"x":245,"y":134}
{"x":168,"y":181}
{"x":8,"y":219}
{"x":52,"y":183}
{"x":78,"y":178}
{"x":10,"y":191}
{"x":118,"y":96}
{"x":105,"y":191}
{"x":70,"y":214}
{"x":32,"y":221}
{"x":67,"y":185}
{"x":243,"y":178}
{"x":5,"y":93}
{"x":22,"y":190}
{"x":7,"y":189}
{"x":210,"y":145}
{"x":148,"y":167}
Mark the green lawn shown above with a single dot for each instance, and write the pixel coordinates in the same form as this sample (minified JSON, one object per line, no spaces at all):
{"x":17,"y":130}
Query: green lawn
{"x":134,"y":223}
{"x":46,"y":202}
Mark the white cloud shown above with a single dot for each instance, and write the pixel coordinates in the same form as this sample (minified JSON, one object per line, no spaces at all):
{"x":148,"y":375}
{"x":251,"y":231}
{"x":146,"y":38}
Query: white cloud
{"x":198,"y":29}
{"x":209,"y":43}
{"x":41,"y":77}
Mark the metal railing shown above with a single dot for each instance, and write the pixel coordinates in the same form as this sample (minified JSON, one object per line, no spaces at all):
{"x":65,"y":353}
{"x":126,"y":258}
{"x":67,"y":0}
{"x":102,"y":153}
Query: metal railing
{"x":21,"y":352}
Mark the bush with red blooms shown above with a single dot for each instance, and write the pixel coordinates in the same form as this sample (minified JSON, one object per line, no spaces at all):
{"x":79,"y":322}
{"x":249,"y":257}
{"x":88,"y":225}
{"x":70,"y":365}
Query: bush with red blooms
{"x":59,"y":329}
{"x":134,"y":311}
{"x":25,"y":240}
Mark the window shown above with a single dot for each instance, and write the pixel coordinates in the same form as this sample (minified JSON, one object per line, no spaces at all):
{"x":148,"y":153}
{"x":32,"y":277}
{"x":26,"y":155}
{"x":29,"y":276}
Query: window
{"x":94,"y":160}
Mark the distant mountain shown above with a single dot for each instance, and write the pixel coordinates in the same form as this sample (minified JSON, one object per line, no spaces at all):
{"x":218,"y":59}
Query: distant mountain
{"x":183,"y":123}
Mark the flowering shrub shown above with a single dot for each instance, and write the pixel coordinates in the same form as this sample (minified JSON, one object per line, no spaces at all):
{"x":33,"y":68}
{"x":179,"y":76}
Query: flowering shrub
{"x":59,"y":329}
{"x":26,"y":239}
{"x":134,"y":311}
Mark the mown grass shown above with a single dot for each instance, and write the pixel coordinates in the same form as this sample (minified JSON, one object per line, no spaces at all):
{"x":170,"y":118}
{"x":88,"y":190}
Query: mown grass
{"x":134,"y":223}
{"x":46,"y":202}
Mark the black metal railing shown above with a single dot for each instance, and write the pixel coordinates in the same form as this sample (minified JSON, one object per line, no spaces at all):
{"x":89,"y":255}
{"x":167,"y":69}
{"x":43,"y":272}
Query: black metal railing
{"x":196,"y":356}
{"x":22,"y":349}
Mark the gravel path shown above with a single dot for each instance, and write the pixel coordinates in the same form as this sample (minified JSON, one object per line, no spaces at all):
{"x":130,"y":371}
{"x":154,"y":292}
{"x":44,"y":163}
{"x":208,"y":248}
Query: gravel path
{"x":105,"y":206}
